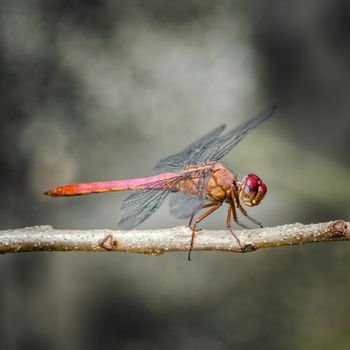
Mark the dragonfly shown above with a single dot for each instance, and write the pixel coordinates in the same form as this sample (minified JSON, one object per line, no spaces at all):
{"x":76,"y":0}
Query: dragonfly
{"x":194,"y":180}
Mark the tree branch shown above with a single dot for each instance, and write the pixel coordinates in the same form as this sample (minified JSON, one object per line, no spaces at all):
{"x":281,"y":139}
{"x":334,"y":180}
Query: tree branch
{"x":156,"y":242}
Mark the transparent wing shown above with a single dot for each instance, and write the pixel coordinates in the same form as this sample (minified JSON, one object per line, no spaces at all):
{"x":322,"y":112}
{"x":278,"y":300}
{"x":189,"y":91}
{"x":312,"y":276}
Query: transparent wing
{"x":182,"y":205}
{"x":181,"y":159}
{"x":220,"y":147}
{"x":141,"y":204}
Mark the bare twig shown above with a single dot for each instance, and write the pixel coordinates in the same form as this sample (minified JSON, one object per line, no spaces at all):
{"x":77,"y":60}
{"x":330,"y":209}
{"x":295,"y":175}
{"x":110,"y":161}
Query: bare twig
{"x":156,"y":242}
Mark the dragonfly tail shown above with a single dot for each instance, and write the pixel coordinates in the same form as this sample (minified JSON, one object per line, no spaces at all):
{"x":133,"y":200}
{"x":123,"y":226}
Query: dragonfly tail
{"x":108,"y":186}
{"x":82,"y":189}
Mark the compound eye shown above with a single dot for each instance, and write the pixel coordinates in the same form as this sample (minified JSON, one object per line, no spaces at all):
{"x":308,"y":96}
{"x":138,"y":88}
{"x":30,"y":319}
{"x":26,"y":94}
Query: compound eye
{"x":252,"y":190}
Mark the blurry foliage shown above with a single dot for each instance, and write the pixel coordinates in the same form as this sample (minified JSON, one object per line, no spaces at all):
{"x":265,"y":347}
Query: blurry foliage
{"x":94,"y":90}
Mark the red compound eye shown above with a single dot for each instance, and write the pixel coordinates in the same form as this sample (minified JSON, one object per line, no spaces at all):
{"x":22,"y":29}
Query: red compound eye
{"x":252,"y":180}
{"x":252,"y":190}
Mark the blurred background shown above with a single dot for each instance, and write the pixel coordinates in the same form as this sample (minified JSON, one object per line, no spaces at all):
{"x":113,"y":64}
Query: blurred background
{"x":101,"y":90}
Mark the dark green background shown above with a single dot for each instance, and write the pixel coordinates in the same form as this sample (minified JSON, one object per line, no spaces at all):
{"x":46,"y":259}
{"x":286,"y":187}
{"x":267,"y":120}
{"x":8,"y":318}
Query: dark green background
{"x":97,"y":90}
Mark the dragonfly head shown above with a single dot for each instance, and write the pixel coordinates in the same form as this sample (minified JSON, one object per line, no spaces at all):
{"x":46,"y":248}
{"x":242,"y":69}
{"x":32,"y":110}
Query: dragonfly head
{"x":252,"y":190}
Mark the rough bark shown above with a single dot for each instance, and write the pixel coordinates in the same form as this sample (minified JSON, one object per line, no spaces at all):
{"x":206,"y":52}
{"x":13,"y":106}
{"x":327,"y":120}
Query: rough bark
{"x":156,"y":242}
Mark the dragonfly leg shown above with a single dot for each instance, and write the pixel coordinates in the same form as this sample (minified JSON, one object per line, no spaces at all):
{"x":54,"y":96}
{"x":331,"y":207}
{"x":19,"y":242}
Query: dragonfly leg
{"x":235,"y":218}
{"x":199,"y":219}
{"x":207,"y":205}
{"x":244,"y":212}
{"x":231,"y":210}
{"x":234,"y":194}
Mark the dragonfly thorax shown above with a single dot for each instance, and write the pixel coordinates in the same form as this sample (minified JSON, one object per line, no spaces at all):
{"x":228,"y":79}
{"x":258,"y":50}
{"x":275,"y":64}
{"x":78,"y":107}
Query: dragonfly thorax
{"x":220,"y":183}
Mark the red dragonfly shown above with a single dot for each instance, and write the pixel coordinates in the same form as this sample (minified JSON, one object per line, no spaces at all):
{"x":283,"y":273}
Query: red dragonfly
{"x":194,"y":179}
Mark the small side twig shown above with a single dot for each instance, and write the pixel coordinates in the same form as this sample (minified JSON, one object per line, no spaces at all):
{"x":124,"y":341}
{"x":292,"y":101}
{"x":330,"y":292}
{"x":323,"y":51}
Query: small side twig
{"x":156,"y":242}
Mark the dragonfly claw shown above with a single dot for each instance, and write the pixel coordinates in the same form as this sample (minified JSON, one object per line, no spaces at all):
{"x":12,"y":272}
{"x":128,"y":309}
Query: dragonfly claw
{"x":248,"y":248}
